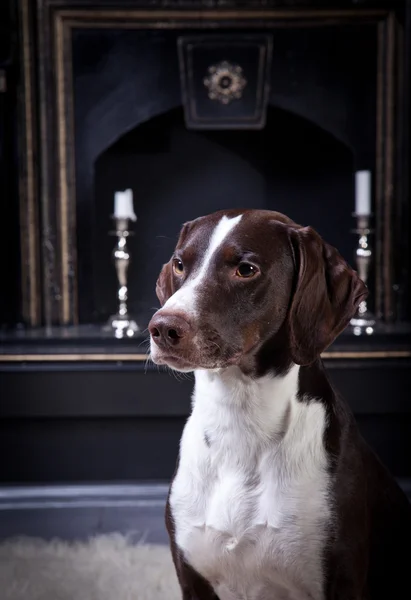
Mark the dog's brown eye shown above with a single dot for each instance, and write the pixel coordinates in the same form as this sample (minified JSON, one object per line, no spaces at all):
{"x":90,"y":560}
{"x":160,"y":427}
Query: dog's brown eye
{"x":178,"y":266}
{"x":246,"y":270}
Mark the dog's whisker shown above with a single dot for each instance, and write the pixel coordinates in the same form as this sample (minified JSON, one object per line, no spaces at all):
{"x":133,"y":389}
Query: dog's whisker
{"x":146,"y":363}
{"x":215,"y":344}
{"x":144,"y":343}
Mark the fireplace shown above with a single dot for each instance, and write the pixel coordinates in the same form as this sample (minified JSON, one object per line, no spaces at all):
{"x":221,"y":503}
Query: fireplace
{"x":113,"y":114}
{"x":291,"y":165}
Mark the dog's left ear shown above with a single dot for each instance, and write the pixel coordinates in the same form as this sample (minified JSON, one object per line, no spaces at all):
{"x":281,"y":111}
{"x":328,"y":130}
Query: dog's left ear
{"x":327,"y":294}
{"x":164,"y":285}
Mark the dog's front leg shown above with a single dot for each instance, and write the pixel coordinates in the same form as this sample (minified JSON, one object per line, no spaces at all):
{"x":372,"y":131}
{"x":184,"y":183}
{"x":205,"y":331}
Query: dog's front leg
{"x":345,"y":588}
{"x":193,"y":586}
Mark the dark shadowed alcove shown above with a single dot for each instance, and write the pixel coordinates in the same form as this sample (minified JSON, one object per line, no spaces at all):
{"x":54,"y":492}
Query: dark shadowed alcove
{"x":291,"y":166}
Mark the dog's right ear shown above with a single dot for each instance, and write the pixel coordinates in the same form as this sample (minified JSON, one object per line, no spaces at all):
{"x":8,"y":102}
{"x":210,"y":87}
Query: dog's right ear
{"x":164,"y":285}
{"x":328,"y":292}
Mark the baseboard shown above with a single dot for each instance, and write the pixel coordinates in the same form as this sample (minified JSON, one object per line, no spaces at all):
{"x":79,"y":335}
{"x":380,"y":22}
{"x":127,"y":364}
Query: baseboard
{"x":97,"y":496}
{"x":80,"y":511}
{"x":83,"y":496}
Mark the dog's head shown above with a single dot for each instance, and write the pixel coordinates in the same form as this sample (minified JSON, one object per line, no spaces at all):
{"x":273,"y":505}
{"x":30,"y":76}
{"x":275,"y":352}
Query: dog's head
{"x":246,"y":285}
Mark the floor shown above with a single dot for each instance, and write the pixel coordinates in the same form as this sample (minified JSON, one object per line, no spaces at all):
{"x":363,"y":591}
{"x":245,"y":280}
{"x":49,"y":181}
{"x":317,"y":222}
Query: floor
{"x":103,"y":568}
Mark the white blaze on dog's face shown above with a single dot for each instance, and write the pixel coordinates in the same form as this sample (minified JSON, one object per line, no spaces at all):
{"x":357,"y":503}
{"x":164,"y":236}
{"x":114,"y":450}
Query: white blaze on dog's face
{"x":242,"y":283}
{"x":186,"y":298}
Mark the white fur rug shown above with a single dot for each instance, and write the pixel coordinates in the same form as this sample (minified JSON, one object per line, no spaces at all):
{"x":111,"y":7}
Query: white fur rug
{"x":105,"y":568}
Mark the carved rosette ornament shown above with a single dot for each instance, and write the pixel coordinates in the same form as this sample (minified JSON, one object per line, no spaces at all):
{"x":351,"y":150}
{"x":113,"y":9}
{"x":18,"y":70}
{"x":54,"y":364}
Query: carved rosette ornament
{"x":225,"y":82}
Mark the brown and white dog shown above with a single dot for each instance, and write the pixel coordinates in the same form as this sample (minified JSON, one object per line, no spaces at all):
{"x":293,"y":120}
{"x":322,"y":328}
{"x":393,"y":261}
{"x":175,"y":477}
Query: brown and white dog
{"x":276,"y":496}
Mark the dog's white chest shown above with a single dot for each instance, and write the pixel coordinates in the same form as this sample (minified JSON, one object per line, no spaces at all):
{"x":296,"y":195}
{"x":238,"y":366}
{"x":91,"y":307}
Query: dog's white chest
{"x":249,"y":500}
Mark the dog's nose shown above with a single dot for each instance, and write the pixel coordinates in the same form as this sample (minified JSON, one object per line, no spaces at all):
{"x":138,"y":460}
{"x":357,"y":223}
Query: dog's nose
{"x":168,"y":330}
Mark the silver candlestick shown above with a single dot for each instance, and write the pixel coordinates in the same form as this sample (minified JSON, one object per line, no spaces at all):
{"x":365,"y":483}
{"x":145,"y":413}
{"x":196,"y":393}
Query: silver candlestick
{"x":364,"y":320}
{"x":121,"y":323}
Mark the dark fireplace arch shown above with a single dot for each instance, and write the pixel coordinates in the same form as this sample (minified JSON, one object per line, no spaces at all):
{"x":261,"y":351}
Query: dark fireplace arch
{"x":292,"y":166}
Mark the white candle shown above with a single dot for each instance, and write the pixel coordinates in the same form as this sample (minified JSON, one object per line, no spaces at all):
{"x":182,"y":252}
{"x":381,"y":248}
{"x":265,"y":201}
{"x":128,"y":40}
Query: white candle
{"x":363,"y":192}
{"x":123,"y":205}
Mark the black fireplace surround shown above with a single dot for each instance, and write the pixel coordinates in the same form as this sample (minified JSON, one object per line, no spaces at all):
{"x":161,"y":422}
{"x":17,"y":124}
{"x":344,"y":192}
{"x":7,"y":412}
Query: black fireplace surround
{"x":111,"y":98}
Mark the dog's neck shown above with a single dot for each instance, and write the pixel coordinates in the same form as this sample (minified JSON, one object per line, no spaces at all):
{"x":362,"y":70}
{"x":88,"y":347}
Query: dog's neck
{"x":263,"y":407}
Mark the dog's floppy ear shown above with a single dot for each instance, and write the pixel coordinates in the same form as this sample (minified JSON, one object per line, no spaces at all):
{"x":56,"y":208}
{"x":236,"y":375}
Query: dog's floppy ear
{"x":164,"y":285}
{"x":326,"y":296}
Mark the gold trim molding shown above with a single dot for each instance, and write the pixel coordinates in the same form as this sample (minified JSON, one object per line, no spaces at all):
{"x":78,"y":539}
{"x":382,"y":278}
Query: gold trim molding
{"x":29,"y":239}
{"x":196,"y":14}
{"x":96,"y":357}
